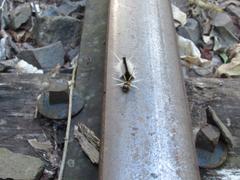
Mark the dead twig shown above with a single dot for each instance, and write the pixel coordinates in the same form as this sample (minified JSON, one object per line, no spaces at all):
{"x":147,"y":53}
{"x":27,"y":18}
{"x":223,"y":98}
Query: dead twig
{"x":71,"y":88}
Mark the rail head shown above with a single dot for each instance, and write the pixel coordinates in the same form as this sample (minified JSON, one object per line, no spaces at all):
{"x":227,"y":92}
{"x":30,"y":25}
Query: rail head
{"x":147,"y":129}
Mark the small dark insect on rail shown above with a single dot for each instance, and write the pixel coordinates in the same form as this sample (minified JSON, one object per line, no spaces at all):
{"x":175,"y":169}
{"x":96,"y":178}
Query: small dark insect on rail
{"x":126,"y":74}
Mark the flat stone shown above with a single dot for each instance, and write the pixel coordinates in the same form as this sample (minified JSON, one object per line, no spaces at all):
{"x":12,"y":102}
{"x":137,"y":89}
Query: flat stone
{"x":5,"y":52}
{"x":223,"y":38}
{"x":208,"y":137}
{"x":19,"y":166}
{"x":5,"y":16}
{"x":190,"y":30}
{"x":213,"y":119}
{"x":205,"y":71}
{"x":181,"y":4}
{"x":20,"y":15}
{"x":2,"y":67}
{"x":72,"y":53}
{"x":51,"y":10}
{"x":224,"y":21}
{"x":50,"y":29}
{"x":68,"y":7}
{"x":234,"y":9}
{"x":44,"y":58}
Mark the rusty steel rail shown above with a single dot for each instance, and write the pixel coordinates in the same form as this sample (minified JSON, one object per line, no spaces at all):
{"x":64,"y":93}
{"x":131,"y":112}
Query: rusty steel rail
{"x":146,"y":133}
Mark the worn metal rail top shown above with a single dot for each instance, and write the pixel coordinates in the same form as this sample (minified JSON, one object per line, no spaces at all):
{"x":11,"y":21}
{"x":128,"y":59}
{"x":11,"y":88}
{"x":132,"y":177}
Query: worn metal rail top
{"x":146,"y":131}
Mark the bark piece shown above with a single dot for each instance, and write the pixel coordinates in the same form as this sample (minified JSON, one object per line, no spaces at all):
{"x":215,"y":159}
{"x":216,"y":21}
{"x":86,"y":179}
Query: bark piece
{"x":89,"y":142}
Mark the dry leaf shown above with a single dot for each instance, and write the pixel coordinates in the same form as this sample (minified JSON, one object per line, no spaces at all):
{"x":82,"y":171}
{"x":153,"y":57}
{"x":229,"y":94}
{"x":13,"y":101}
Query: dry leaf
{"x":189,"y":52}
{"x":180,"y":18}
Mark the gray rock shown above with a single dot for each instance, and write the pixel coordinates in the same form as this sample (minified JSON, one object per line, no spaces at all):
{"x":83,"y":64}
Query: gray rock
{"x":72,"y":53}
{"x":224,"y":21}
{"x":20,"y":15}
{"x":50,"y":29}
{"x":44,"y":58}
{"x":10,"y":63}
{"x":204,"y":71}
{"x":221,"y":19}
{"x":216,"y":61}
{"x":182,"y":4}
{"x":4,"y":48}
{"x":19,"y":166}
{"x":190,"y":30}
{"x":234,"y":9}
{"x":8,"y":48}
{"x":51,"y":10}
{"x":5,"y":18}
{"x":223,"y":38}
{"x":69,"y":7}
{"x":2,"y":68}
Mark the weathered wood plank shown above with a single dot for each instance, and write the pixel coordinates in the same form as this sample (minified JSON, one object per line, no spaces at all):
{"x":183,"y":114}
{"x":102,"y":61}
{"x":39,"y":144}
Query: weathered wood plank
{"x":17,"y":101}
{"x":18,"y":97}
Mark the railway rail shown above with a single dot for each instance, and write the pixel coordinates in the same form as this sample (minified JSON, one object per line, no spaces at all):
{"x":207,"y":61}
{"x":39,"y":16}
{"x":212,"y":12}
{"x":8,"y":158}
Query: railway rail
{"x":146,"y":130}
{"x":130,"y":83}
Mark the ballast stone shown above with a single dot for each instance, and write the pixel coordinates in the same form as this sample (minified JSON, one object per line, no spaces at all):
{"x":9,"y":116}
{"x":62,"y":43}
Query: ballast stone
{"x":46,"y":57}
{"x":19,"y":166}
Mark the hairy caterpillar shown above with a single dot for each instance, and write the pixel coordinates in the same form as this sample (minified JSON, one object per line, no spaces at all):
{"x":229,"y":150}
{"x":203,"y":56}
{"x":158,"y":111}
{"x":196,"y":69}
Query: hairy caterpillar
{"x":126,"y":74}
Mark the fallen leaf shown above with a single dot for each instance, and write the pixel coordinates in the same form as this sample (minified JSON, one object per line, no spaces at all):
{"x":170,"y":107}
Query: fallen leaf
{"x":189,"y":52}
{"x":187,"y":47}
{"x":180,"y":18}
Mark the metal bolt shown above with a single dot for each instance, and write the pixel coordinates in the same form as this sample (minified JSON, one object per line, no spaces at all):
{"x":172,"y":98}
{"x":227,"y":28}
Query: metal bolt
{"x":53,"y":102}
{"x":58,"y":92}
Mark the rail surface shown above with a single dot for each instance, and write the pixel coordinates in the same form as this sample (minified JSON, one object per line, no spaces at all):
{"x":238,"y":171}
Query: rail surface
{"x":146,"y":132}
